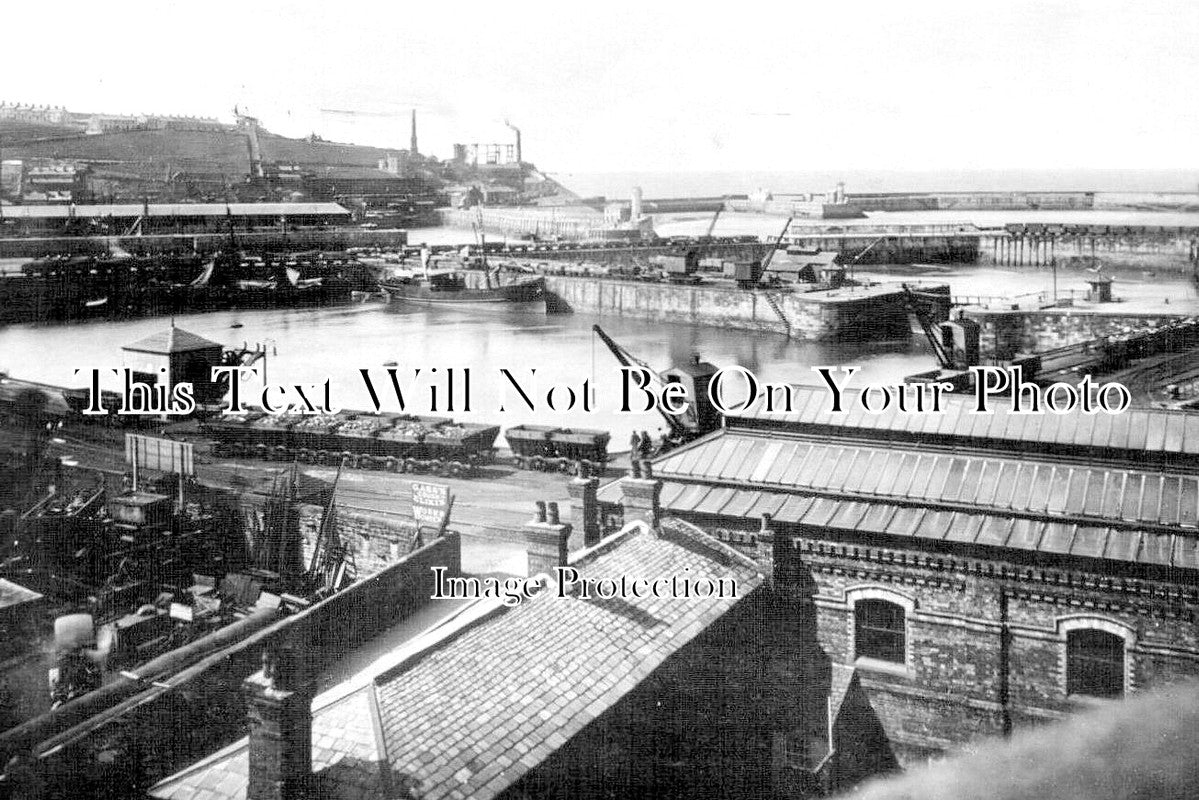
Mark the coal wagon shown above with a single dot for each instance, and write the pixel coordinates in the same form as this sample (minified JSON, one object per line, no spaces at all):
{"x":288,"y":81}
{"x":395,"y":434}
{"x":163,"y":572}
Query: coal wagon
{"x":558,"y":449}
{"x":361,"y":440}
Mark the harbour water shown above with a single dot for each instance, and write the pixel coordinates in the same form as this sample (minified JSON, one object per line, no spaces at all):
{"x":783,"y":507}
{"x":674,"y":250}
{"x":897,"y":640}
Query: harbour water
{"x":310,"y":346}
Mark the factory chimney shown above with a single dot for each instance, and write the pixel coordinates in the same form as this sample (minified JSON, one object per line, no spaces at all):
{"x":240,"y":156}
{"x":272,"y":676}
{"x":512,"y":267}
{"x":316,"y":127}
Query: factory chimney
{"x":519,"y":159}
{"x":635,"y":211}
{"x":412,"y":145}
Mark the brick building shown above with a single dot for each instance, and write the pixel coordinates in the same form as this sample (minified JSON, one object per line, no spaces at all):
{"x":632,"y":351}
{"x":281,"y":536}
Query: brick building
{"x":957,"y":575}
{"x":557,"y":696}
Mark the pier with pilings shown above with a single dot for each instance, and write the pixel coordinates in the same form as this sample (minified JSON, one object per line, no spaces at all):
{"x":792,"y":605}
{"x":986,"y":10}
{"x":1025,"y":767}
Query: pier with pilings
{"x":1092,"y":246}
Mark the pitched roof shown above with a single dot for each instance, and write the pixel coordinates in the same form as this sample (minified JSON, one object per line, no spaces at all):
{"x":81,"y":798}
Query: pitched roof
{"x":172,"y":340}
{"x":1139,"y":435}
{"x":473,"y":717}
{"x":169,"y":210}
{"x":472,"y":711}
{"x":346,"y":759}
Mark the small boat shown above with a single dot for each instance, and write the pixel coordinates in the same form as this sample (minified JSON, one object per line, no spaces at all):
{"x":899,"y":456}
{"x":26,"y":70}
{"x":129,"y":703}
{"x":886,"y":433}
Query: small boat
{"x":450,"y":289}
{"x":236,"y":325}
{"x":391,"y":364}
{"x":97,"y":303}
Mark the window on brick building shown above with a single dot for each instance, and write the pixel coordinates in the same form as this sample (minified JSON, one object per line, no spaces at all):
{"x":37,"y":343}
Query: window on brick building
{"x":1094,"y":663}
{"x":879,"y":630}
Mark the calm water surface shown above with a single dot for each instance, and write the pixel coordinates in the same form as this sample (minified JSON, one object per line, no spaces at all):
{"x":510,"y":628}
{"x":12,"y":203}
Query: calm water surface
{"x":313,"y":345}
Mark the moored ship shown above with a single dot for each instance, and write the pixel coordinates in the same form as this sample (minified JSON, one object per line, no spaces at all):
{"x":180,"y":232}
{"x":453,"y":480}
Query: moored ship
{"x":450,"y":289}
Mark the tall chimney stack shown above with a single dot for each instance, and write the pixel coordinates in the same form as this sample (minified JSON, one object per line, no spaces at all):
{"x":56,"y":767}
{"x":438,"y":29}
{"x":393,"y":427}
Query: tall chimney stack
{"x":412,"y":145}
{"x":635,"y":212}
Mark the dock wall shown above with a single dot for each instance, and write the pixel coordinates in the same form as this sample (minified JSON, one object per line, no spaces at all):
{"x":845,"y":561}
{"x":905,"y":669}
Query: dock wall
{"x":1003,"y":334}
{"x":868,"y":316}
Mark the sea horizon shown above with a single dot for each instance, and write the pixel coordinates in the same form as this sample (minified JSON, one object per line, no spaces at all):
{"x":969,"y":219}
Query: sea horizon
{"x":716,"y":183}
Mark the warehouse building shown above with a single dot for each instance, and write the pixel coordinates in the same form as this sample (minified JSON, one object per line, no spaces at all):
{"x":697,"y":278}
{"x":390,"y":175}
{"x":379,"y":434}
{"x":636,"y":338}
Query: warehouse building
{"x":957,"y":575}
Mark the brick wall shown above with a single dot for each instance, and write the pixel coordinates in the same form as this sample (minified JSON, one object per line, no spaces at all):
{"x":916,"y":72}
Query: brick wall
{"x":951,"y":689}
{"x":376,"y":541}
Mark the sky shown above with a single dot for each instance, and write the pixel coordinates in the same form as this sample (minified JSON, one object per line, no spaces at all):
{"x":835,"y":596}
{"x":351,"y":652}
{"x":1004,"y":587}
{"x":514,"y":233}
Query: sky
{"x":793,"y":85}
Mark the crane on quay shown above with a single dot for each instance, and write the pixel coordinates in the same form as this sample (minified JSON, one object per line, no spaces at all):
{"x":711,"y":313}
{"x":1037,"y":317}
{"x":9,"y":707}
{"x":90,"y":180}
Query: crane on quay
{"x":699,"y":417}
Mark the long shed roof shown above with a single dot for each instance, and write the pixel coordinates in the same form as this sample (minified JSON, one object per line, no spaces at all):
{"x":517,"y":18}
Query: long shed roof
{"x":90,"y":211}
{"x":1002,"y":500}
{"x":1138,"y":435}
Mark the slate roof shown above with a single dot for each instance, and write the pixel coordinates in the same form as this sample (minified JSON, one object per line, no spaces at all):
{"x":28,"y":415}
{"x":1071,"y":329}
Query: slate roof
{"x":172,"y":340}
{"x":346,"y":759}
{"x":471,"y":713}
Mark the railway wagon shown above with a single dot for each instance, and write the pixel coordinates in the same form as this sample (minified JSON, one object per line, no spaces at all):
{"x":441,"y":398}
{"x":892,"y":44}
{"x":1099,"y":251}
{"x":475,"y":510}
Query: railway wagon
{"x":547,"y":448}
{"x":356,"y":439}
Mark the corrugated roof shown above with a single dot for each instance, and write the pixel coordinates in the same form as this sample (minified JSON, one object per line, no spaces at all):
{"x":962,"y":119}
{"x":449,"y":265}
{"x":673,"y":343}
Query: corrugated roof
{"x":999,"y":500}
{"x":171,"y":340}
{"x":1138,"y":434}
{"x":134,"y":210}
{"x":996,"y":482}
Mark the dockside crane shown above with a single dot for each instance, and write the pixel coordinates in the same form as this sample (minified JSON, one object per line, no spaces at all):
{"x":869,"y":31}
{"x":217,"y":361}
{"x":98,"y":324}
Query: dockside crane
{"x":707,"y":237}
{"x":699,"y":418}
{"x":749,"y":275}
{"x":931,"y":333}
{"x":864,"y":251}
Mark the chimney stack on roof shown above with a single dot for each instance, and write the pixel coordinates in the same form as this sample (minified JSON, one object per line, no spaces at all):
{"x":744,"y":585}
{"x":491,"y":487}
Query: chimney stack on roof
{"x":641,"y":496}
{"x":584,"y":508}
{"x":280,"y":721}
{"x":547,"y":538}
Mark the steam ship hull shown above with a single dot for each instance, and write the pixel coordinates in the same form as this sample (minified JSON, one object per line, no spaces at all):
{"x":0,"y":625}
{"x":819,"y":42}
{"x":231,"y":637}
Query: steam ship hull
{"x":523,"y":294}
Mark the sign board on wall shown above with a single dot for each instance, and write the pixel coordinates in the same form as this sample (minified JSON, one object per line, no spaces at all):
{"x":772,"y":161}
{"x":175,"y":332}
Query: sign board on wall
{"x":430,"y":503}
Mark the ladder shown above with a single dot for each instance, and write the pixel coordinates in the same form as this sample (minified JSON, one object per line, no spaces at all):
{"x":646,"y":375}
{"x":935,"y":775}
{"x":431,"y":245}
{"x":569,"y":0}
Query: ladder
{"x":778,"y":310}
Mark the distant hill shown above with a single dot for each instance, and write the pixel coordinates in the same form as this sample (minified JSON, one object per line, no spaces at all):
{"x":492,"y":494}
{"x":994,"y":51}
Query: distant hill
{"x":173,"y":160}
{"x":149,"y":154}
{"x":16,"y":131}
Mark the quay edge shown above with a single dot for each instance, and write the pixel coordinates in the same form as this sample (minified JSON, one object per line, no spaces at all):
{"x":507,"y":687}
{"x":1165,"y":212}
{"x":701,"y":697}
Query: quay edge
{"x":859,"y":313}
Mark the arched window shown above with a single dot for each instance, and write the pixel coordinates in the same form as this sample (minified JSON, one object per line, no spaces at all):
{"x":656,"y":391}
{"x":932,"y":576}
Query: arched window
{"x":1094,"y":663}
{"x":879,"y":630}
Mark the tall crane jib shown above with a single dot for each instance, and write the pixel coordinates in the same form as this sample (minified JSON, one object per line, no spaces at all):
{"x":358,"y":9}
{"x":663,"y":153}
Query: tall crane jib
{"x":700,"y":418}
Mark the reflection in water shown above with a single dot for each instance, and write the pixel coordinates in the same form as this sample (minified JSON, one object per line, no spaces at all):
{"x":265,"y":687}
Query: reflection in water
{"x":313,"y":345}
{"x":540,"y":353}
